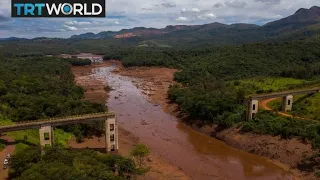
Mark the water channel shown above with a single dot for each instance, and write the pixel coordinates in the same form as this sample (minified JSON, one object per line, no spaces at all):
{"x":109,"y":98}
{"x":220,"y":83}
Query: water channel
{"x":199,"y":156}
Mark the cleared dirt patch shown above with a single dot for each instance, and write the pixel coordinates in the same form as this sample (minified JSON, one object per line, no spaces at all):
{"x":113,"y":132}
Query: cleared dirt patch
{"x":94,"y":89}
{"x":154,"y":82}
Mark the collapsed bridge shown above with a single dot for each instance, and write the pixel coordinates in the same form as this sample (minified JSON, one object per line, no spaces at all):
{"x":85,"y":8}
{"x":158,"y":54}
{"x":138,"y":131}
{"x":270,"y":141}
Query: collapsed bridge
{"x":46,"y":126}
{"x":287,"y":100}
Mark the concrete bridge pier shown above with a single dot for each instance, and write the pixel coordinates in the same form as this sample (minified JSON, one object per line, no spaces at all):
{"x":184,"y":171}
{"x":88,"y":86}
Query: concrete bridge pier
{"x":111,"y":131}
{"x":253,"y":106}
{"x":287,"y":102}
{"x":46,"y":136}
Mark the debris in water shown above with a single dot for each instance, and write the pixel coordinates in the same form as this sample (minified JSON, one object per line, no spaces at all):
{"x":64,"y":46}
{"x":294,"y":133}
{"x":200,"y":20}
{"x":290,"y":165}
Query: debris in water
{"x":143,"y":122}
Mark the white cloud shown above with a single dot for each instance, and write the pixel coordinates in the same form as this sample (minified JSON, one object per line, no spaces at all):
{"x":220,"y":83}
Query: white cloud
{"x":181,"y":19}
{"x":236,"y":4}
{"x":147,"y":9}
{"x":169,"y":5}
{"x":71,"y":28}
{"x":277,"y":16}
{"x":207,"y":16}
{"x":79,"y":23}
{"x":269,"y":2}
{"x":190,"y":10}
{"x":116,"y":22}
{"x":210,"y":15}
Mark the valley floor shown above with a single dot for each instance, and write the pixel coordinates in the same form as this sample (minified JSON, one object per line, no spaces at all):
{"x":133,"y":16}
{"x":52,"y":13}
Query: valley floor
{"x":283,"y":152}
{"x":160,"y":168}
{"x":154,"y":82}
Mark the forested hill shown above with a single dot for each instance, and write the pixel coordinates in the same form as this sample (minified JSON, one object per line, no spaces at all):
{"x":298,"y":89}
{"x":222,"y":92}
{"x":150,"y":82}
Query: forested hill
{"x":297,"y":59}
{"x":216,"y":81}
{"x":207,"y":73}
{"x":303,"y":24}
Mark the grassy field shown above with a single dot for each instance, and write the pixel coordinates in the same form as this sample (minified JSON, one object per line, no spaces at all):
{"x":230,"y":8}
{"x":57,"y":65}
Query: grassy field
{"x":304,"y":105}
{"x":31,"y":138}
{"x":276,"y":104}
{"x":268,"y":85}
{"x":307,"y":106}
{"x":28,"y":138}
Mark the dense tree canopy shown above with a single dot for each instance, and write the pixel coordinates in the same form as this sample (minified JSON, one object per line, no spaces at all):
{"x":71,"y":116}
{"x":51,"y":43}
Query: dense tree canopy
{"x":60,"y":163}
{"x":78,"y":62}
{"x":213,"y":85}
{"x":206,"y":73}
{"x":38,"y":88}
{"x":216,"y":81}
{"x":41,"y":87}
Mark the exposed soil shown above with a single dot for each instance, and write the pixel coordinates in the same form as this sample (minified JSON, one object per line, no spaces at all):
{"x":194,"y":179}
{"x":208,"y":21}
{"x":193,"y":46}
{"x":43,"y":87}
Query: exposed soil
{"x":160,"y":168}
{"x":154,"y":82}
{"x":290,"y":152}
{"x":94,"y":91}
{"x":9,"y":149}
{"x":286,"y":153}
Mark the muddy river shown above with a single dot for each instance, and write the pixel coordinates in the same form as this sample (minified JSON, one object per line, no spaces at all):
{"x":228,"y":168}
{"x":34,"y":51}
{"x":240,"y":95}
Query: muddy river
{"x":199,"y":156}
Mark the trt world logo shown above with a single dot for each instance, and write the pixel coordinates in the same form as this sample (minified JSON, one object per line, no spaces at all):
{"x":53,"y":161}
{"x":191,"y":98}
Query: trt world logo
{"x":58,"y":8}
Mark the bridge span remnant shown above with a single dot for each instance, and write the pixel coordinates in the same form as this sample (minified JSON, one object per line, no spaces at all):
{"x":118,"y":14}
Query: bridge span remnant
{"x":287,"y":100}
{"x":46,"y":126}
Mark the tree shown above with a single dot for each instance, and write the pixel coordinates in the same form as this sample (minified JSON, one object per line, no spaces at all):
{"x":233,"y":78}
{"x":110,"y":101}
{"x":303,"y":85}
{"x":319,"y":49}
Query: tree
{"x":140,"y":152}
{"x":68,"y":164}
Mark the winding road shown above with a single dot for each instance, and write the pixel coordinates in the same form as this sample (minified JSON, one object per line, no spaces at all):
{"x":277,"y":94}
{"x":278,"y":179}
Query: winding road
{"x":264,"y":105}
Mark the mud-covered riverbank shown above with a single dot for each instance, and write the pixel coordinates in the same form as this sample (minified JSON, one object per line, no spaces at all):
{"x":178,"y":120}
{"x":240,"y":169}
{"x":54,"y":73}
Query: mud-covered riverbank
{"x":286,"y":153}
{"x":94,"y":92}
{"x":197,"y":155}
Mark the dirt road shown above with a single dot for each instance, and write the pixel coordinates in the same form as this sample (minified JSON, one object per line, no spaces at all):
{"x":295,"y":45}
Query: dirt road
{"x":9,"y":149}
{"x":264,"y":105}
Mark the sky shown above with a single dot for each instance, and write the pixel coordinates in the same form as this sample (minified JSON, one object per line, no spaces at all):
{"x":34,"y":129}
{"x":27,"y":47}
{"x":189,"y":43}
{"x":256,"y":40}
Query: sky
{"x":125,"y":14}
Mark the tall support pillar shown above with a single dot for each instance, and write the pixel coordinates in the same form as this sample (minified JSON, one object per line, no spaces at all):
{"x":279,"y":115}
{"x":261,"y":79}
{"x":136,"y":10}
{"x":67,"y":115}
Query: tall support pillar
{"x":111,"y":138}
{"x":46,"y":136}
{"x":253,"y":106}
{"x":287,"y":102}
{"x":52,"y":136}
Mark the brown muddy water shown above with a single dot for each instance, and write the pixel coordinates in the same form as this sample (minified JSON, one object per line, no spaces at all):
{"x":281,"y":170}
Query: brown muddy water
{"x":199,"y":156}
